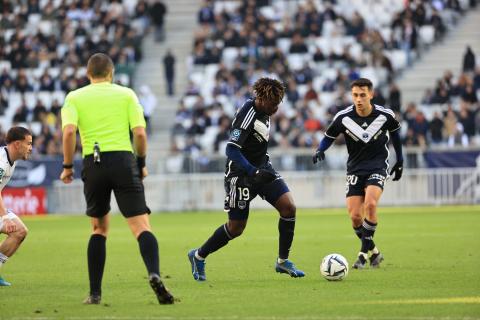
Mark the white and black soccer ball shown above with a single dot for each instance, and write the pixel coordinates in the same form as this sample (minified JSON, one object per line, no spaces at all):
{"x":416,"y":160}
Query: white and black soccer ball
{"x":334,"y":267}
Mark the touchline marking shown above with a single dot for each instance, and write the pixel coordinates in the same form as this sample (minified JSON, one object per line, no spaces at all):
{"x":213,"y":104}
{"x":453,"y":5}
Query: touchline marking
{"x":453,"y":300}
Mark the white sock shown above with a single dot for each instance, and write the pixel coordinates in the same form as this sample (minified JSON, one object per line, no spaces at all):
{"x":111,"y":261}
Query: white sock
{"x":281,"y":260}
{"x":3,"y":259}
{"x":198,"y":257}
{"x":375,"y":251}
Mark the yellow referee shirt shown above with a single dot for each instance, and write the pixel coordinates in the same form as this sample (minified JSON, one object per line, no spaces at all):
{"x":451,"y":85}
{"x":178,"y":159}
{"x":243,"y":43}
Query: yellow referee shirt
{"x":104,"y":113}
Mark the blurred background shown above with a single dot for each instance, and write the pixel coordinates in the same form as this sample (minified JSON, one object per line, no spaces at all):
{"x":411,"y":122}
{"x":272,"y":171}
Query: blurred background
{"x":192,"y":64}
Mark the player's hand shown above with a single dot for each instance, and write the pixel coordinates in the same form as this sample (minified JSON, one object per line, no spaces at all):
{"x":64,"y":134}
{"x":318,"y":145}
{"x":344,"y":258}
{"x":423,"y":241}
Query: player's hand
{"x":9,"y":226}
{"x":262,"y":177}
{"x":67,"y":176}
{"x":397,"y":170}
{"x":318,"y":156}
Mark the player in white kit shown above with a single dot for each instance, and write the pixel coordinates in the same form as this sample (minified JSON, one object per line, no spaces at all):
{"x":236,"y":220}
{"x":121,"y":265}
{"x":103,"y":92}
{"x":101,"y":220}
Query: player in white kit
{"x":19,"y":146}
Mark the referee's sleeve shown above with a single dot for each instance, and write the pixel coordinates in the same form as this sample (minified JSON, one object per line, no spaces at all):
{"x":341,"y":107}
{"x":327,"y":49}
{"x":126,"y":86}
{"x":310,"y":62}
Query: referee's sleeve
{"x":135,"y":112}
{"x":69,"y":112}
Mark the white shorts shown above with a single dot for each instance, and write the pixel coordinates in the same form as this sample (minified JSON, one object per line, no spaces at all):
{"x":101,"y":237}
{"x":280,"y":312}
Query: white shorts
{"x":11,"y":215}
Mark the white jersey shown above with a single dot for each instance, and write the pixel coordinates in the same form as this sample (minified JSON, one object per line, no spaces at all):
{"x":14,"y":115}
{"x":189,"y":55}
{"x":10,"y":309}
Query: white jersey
{"x":6,"y":168}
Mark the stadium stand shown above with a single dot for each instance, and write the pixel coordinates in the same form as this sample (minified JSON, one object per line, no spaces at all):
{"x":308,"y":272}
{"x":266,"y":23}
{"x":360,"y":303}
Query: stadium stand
{"x":44,"y":46}
{"x":317,"y":48}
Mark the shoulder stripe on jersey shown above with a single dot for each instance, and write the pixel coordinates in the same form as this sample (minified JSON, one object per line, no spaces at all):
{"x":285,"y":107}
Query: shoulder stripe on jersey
{"x":383,"y":109}
{"x":248,"y":119}
{"x":339,"y":113}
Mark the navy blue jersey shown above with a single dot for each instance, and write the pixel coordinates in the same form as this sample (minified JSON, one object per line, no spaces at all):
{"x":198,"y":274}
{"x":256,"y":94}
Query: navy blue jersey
{"x":366,"y":137}
{"x":250,"y":132}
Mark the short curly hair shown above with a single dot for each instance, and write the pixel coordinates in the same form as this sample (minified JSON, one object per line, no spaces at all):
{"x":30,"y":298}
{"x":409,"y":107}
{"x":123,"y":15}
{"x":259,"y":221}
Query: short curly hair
{"x":269,"y":89}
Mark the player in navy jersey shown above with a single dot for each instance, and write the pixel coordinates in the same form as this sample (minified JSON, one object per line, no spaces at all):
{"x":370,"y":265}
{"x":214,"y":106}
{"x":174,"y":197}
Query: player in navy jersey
{"x":367,"y":129}
{"x":248,"y":173}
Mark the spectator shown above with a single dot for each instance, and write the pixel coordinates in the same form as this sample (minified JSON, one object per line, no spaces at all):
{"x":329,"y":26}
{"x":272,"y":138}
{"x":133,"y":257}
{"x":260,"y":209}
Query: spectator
{"x":169,"y":70}
{"x":436,"y":129}
{"x":394,"y":98}
{"x":206,"y":14}
{"x":149,"y":102}
{"x":469,"y":60}
{"x":157,"y":12}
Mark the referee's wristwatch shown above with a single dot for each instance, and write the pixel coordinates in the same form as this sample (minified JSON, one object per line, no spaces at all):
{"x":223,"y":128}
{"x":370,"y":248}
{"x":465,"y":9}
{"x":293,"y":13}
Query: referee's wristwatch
{"x":67,"y":166}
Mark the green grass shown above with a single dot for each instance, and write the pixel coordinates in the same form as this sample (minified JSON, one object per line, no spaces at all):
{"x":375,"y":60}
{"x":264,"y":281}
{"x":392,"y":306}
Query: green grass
{"x":431,"y":271}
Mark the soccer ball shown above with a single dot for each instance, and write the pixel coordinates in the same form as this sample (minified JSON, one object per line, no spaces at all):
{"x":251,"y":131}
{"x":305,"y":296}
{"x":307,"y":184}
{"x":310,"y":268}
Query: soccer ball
{"x":334,"y":267}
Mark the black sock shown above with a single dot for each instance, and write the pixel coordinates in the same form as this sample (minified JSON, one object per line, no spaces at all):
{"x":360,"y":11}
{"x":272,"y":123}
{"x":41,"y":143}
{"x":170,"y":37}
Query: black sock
{"x":219,"y":239}
{"x":96,"y":254}
{"x":149,"y":249}
{"x":368,"y":230}
{"x":286,"y":229}
{"x":358,"y":231}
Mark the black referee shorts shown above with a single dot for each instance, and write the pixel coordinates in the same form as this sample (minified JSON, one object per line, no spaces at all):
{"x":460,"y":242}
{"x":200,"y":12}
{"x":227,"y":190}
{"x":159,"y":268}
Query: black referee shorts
{"x":117,"y":172}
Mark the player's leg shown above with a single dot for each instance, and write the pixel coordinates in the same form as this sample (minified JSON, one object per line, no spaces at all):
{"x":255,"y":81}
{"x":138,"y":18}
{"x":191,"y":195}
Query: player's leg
{"x":96,"y":256}
{"x":372,"y":196}
{"x":280,"y":197}
{"x":237,"y":204}
{"x":356,"y":211}
{"x":13,"y":241}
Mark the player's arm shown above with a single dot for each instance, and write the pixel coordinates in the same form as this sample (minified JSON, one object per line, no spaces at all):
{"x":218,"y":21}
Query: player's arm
{"x":330,"y":135}
{"x":8,"y":224}
{"x":324,"y":145}
{"x":234,"y":153}
{"x":394,"y":129}
{"x":69,"y":138}
{"x":138,"y":125}
{"x":397,"y":169}
{"x":140,"y":148}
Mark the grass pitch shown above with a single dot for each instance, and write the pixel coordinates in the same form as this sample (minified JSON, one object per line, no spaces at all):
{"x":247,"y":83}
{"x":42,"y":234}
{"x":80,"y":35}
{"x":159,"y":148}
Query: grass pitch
{"x":431,"y":269}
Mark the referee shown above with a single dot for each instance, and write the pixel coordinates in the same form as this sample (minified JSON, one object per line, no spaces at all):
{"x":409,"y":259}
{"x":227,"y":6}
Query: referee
{"x":105,"y":113}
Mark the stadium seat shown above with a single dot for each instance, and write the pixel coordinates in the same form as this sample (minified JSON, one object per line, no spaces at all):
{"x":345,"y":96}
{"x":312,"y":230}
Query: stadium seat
{"x":427,"y":34}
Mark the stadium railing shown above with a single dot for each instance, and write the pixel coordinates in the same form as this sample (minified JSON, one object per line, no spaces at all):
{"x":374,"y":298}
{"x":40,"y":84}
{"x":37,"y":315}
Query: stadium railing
{"x":179,"y":192}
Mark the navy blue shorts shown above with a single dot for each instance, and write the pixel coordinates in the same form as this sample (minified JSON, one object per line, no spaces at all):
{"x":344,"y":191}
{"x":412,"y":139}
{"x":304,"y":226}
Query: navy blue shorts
{"x":356,"y":184}
{"x":239,"y":193}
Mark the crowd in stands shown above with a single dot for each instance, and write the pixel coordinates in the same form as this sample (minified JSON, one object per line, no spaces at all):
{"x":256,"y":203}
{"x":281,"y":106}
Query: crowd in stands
{"x":316,"y":47}
{"x":450,"y":112}
{"x":44,"y":48}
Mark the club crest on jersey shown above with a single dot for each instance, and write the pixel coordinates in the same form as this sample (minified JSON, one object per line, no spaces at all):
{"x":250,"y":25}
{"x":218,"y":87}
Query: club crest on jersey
{"x":242,"y":204}
{"x":2,"y":174}
{"x":365,"y":136}
{"x":235,"y":135}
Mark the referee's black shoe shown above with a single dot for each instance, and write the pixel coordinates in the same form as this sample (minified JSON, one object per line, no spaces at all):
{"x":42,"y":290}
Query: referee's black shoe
{"x":163,"y":296}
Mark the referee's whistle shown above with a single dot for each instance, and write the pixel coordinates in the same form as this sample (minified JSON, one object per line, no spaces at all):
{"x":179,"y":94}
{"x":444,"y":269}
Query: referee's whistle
{"x":96,"y":153}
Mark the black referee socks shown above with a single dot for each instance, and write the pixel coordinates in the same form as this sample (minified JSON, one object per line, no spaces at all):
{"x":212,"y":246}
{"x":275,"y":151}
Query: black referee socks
{"x":149,"y":249}
{"x":96,"y":254}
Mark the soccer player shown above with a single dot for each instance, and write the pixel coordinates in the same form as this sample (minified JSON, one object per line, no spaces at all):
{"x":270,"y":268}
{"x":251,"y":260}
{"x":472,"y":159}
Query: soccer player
{"x":248,"y":173}
{"x":105,"y":113}
{"x":19,"y":146}
{"x":366,"y":129}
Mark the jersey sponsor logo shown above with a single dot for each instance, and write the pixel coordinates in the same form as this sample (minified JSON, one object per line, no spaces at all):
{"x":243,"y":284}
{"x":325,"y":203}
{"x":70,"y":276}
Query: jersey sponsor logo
{"x":262,"y":129}
{"x":235,"y":135}
{"x":364,"y":134}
